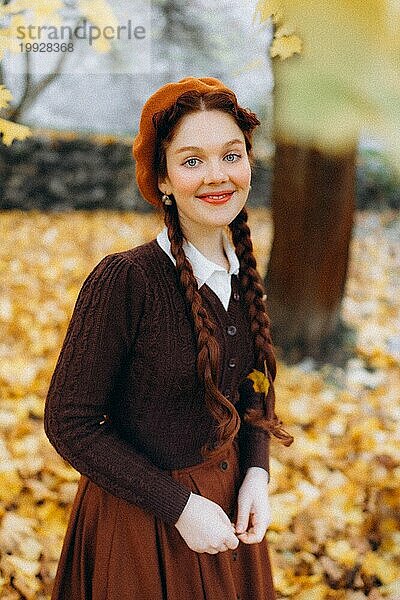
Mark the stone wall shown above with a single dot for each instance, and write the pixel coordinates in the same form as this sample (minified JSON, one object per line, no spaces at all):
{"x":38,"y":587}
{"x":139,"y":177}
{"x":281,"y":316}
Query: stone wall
{"x":57,"y":173}
{"x":66,"y":172}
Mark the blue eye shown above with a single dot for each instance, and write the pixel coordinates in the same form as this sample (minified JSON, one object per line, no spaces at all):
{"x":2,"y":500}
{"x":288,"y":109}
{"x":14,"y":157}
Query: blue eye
{"x":233,"y":154}
{"x":188,"y":160}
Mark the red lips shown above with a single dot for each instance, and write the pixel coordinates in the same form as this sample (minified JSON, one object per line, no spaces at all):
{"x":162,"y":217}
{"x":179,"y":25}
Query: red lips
{"x":217,"y":197}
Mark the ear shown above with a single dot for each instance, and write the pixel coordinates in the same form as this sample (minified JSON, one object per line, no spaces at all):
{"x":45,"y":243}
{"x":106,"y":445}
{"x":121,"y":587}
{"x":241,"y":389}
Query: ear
{"x":162,"y":185}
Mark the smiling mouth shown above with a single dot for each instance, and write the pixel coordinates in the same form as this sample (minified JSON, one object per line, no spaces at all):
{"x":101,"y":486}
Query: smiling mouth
{"x":216,"y":198}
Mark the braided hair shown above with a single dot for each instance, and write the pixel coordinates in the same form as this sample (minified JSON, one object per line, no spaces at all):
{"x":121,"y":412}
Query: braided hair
{"x":225,"y":413}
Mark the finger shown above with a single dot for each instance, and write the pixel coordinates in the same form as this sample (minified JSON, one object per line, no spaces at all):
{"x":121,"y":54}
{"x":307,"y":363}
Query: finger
{"x":248,"y":537}
{"x":259,"y":521}
{"x":251,"y":538}
{"x":254,"y":535}
{"x":232,"y":541}
{"x":242,"y":519}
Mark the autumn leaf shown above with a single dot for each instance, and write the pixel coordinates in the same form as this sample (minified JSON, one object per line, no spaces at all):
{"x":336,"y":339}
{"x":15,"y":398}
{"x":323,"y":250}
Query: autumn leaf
{"x":268,"y":8}
{"x":5,"y":96}
{"x":285,"y":46}
{"x":13,"y":131}
{"x":384,"y":567}
{"x":286,"y":29}
{"x":261,"y":382}
{"x":100,"y":13}
{"x":285,"y":42}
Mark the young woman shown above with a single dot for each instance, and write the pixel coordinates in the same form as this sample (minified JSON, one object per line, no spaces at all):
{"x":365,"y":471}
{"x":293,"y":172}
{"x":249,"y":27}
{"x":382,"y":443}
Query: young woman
{"x":162,"y":396}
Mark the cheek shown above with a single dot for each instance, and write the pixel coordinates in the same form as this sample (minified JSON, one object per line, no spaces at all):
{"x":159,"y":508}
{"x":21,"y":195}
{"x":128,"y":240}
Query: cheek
{"x":185,"y":179}
{"x":242,"y":173}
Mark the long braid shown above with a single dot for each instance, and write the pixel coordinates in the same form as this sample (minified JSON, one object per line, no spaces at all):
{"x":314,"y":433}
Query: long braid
{"x":254,"y":292}
{"x":207,"y":346}
{"x":225,"y":413}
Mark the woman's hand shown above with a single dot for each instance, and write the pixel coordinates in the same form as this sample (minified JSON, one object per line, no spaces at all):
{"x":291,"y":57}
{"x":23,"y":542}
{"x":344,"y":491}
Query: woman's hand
{"x":205,"y":526}
{"x":253,"y":507}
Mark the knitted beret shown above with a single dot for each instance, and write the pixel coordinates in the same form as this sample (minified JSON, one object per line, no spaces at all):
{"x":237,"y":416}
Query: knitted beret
{"x":144,"y":143}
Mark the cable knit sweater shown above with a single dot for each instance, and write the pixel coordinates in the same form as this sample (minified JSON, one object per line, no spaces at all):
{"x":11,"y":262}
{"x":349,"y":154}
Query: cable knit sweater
{"x":125,"y":404}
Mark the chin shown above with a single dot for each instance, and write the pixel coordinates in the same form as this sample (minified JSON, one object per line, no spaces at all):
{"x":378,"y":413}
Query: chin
{"x":222,"y":222}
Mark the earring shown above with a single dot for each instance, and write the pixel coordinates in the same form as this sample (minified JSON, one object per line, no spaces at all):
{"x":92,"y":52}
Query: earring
{"x":166,"y":199}
{"x":249,"y":187}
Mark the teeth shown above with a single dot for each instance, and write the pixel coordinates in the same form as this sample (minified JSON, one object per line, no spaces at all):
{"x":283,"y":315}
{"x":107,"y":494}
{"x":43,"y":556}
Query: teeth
{"x":217,"y":197}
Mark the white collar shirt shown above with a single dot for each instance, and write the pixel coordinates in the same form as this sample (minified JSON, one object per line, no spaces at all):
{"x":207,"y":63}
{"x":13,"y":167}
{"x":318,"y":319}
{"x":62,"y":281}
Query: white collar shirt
{"x":205,"y":270}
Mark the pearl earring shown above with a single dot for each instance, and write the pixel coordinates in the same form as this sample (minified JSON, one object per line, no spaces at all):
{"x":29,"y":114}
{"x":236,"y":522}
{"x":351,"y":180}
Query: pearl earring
{"x":166,"y":199}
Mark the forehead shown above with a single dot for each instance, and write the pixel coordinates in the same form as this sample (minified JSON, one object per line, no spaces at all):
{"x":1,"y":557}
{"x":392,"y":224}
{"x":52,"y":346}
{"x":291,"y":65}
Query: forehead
{"x":205,"y":129}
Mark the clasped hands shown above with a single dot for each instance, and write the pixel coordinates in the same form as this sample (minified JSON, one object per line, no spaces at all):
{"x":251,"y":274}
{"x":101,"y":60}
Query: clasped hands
{"x":206,"y":527}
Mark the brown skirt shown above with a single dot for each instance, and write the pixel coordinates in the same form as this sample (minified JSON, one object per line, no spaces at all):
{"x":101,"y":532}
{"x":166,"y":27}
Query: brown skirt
{"x":114,"y":550}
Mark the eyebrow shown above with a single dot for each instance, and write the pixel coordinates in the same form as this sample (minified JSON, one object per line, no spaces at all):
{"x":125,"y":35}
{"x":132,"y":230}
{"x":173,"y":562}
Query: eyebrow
{"x":230,"y":143}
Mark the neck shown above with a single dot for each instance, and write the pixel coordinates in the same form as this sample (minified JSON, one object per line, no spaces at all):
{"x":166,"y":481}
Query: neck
{"x":209,"y":242}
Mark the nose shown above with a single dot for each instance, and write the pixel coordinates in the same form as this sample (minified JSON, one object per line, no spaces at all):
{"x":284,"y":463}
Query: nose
{"x":215,"y":173}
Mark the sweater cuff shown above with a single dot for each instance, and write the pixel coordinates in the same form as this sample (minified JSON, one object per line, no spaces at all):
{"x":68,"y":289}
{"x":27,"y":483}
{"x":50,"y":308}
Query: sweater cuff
{"x":170,"y":512}
{"x":254,"y":448}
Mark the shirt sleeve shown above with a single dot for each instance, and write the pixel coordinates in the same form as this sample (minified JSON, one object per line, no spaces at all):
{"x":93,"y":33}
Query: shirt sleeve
{"x":253,"y":442}
{"x":104,"y":322}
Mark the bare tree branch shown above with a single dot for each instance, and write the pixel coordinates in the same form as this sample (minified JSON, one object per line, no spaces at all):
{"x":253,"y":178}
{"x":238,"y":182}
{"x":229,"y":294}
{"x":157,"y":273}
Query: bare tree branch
{"x":31,"y":90}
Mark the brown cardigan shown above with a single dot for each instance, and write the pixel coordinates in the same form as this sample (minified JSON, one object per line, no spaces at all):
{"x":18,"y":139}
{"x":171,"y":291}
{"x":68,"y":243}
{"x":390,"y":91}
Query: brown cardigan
{"x":130,"y":353}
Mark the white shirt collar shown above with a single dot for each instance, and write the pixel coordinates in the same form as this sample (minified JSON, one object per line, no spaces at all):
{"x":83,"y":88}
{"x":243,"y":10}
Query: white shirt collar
{"x":202,"y":267}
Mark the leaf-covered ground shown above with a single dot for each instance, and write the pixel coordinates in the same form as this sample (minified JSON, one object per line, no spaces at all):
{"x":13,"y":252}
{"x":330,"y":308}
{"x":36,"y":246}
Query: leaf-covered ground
{"x":335,"y":492}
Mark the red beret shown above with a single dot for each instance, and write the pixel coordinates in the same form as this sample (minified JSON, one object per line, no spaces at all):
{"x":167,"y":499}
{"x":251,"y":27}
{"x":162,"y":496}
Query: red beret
{"x":144,"y":142}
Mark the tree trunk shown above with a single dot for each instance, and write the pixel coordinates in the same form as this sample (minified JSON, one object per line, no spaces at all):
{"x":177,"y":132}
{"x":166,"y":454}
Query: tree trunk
{"x":313,"y":203}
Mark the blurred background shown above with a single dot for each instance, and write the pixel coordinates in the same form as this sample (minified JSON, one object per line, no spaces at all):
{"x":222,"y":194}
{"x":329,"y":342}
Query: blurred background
{"x":324,"y":214}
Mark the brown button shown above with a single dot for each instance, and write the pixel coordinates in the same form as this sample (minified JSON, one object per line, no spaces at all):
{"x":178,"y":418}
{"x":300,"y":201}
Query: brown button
{"x":231,"y":330}
{"x":234,"y":555}
{"x":224,"y":465}
{"x":236,"y":296}
{"x":227,"y":392}
{"x":232,"y":363}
